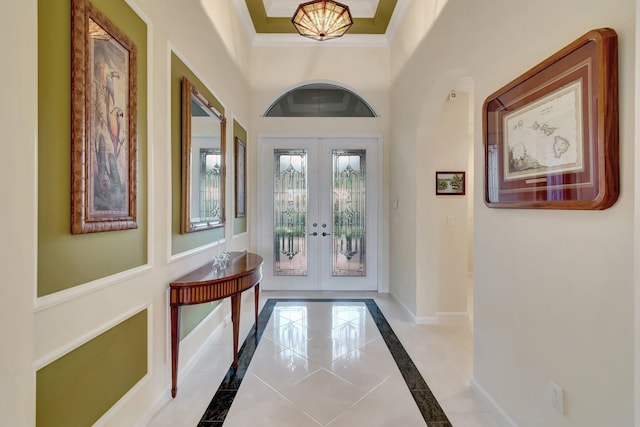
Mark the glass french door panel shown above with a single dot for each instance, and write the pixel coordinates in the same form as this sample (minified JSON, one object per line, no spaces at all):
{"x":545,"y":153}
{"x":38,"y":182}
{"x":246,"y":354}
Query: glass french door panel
{"x":349,"y":192}
{"x":299,"y":249}
{"x":290,"y":211}
{"x":210,"y":185}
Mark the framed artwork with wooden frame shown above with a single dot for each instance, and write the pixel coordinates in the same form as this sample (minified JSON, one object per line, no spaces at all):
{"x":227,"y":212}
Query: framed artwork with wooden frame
{"x":551,"y":135}
{"x":450,"y":183}
{"x":241,"y":177}
{"x":103,"y":123}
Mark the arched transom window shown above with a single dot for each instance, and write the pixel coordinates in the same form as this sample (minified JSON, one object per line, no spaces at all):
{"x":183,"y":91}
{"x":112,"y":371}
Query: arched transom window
{"x":320,"y":100}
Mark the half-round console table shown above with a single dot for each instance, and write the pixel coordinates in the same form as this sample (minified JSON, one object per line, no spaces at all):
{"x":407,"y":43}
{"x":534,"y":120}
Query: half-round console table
{"x":206,"y":284}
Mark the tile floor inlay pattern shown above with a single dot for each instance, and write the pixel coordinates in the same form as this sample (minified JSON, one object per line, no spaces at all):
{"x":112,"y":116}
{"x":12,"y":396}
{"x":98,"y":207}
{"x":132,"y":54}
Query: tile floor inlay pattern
{"x":328,"y":364}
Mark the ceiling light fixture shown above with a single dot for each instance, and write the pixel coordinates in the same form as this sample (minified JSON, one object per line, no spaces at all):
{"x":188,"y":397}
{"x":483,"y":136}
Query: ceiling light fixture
{"x":322,"y":19}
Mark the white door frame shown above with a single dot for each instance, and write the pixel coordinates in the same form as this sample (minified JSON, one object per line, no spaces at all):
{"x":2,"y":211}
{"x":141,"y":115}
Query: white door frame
{"x":265,"y":204}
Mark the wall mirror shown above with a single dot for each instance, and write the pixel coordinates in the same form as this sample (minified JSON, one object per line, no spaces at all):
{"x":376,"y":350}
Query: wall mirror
{"x":203,"y":162}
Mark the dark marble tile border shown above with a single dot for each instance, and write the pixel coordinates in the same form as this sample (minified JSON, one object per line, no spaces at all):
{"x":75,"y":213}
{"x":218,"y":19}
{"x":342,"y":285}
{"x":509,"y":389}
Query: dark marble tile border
{"x":429,"y":407}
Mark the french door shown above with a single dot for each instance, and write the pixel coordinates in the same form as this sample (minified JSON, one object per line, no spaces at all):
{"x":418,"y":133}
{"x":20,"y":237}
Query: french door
{"x":318,"y":220}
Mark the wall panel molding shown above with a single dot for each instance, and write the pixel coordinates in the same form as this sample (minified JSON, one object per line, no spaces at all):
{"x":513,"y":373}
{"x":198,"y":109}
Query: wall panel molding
{"x":64,"y":296}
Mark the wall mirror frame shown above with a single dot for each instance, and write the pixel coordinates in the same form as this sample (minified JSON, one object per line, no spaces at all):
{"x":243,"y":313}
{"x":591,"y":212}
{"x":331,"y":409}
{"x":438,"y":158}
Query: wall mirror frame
{"x":203,"y":162}
{"x":240,"y":168}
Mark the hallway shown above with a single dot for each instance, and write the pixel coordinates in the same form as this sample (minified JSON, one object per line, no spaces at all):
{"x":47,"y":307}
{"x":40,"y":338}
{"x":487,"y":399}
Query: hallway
{"x":334,"y":348}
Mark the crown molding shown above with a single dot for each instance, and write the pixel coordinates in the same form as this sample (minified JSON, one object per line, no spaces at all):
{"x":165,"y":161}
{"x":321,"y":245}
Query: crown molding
{"x":348,"y":40}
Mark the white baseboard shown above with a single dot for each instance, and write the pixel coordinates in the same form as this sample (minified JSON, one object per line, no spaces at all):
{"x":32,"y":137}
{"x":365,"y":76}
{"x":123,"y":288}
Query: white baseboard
{"x":440,"y":317}
{"x":412,"y":316}
{"x":453,"y":316}
{"x":503,"y":418}
{"x":443,"y":317}
{"x":427,"y":320}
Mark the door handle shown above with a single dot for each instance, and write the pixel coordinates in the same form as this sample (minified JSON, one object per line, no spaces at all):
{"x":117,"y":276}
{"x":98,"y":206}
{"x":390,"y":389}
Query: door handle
{"x":315,"y":233}
{"x":326,"y":234}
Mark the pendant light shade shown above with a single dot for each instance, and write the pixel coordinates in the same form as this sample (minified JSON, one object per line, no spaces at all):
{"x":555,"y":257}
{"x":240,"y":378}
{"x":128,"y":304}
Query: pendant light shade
{"x":322,"y":19}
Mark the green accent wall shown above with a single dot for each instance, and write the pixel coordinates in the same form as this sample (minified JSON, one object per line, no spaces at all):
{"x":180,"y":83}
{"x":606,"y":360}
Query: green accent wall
{"x":190,"y":316}
{"x":239,"y":224}
{"x":376,"y":25}
{"x":184,"y":242}
{"x":66,"y":260}
{"x":78,"y":388}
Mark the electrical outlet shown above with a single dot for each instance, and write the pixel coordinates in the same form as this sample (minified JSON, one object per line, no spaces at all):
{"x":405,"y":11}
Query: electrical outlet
{"x":557,"y":397}
{"x":451,"y":221}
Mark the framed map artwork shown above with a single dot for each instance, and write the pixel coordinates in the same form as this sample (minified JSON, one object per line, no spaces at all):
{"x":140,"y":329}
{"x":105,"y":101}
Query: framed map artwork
{"x":551,"y":135}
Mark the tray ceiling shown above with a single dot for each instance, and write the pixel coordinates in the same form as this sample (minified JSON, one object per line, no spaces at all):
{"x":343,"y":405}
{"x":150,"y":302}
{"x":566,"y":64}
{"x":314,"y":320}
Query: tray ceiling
{"x":274,"y":16}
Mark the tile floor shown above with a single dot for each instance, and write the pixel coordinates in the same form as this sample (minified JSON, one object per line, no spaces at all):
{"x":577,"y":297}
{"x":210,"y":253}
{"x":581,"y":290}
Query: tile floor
{"x":331,"y":364}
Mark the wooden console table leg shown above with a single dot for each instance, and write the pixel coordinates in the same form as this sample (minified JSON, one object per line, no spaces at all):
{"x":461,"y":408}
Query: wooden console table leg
{"x":235,"y":319}
{"x":256,"y":291}
{"x":175,"y":343}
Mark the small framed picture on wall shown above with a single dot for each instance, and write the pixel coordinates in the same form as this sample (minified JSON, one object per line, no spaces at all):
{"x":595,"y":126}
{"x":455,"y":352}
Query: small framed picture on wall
{"x":450,"y":183}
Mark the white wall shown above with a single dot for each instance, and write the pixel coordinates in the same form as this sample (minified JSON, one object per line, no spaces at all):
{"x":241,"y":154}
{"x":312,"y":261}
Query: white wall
{"x":553,"y":289}
{"x":441,"y":260}
{"x":637,"y":233}
{"x":18,"y":111}
{"x":418,"y":18}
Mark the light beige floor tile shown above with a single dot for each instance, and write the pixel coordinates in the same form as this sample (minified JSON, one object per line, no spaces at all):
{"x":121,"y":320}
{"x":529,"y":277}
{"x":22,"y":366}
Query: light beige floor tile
{"x":287,"y":388}
{"x":289,"y":334}
{"x":283,"y":369}
{"x":267,"y":348}
{"x":379,"y":349}
{"x":322,"y":350}
{"x":473,"y":419}
{"x":252,"y":390}
{"x":275,"y":411}
{"x":356,"y":334}
{"x":364,"y":370}
{"x":322,"y":319}
{"x":323,"y":395}
{"x":390,"y":404}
